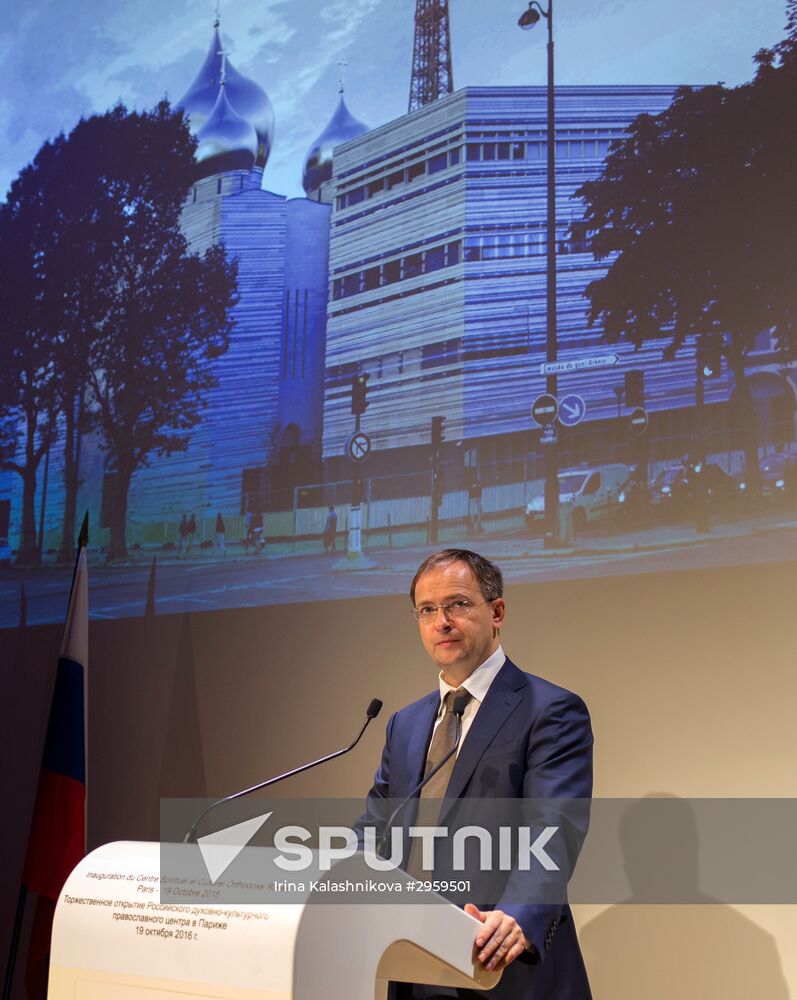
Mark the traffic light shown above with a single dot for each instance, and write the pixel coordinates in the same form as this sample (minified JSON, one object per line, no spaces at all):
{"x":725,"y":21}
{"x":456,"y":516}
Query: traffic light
{"x":635,"y":388}
{"x":359,"y":392}
{"x":709,"y":355}
{"x":438,"y":431}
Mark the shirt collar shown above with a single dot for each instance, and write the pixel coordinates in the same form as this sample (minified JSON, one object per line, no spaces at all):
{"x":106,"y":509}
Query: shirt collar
{"x":480,"y":680}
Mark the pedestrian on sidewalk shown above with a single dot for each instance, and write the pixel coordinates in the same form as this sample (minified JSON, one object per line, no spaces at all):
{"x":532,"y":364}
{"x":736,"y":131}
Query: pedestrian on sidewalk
{"x":248,"y":529}
{"x":220,"y":530}
{"x":182,"y":536}
{"x":330,"y":530}
{"x":475,"y":505}
{"x":192,"y":530}
{"x":258,"y":538}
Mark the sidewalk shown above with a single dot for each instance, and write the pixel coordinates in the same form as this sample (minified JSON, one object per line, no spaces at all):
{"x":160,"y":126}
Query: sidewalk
{"x":652,"y":539}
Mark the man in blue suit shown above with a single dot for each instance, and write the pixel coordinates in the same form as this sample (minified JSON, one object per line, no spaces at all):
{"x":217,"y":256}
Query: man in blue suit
{"x":522,"y":737}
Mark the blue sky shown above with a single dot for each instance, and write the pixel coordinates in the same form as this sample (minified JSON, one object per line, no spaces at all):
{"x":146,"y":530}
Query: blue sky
{"x":63,"y":60}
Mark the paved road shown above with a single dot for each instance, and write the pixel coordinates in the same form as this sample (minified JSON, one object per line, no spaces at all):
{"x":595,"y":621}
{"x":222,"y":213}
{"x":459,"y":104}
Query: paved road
{"x":254,"y":581}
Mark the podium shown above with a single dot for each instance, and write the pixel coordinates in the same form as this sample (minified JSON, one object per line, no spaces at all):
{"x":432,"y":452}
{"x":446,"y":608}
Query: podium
{"x":114,"y":939}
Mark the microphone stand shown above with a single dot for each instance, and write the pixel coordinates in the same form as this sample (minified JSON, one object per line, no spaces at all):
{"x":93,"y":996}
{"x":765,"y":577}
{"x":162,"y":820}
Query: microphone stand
{"x":371,"y":713}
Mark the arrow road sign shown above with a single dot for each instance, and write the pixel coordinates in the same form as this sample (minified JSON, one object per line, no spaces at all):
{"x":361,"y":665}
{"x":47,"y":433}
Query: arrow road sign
{"x":544,"y":409}
{"x":638,"y":421}
{"x":571,"y":410}
{"x":579,"y":364}
{"x":358,"y":446}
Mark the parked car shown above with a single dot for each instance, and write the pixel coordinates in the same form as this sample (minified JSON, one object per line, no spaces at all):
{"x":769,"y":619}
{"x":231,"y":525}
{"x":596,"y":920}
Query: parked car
{"x":592,"y":491}
{"x":660,"y":490}
{"x":676,"y":490}
{"x":778,"y":475}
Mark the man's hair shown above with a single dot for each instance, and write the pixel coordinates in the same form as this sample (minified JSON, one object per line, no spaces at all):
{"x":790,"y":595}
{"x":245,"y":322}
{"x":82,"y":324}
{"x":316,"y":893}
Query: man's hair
{"x":488,"y":575}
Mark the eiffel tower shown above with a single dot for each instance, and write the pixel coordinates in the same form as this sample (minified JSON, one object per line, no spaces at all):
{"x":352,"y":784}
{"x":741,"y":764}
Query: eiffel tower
{"x":431,"y":54}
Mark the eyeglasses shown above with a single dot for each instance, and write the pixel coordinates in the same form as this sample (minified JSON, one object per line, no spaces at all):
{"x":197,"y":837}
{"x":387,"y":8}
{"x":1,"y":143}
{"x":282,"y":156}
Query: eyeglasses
{"x":461,"y":608}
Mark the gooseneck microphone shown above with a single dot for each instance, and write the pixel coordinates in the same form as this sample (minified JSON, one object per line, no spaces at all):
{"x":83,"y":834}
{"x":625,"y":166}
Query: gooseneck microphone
{"x":458,"y":707}
{"x":371,"y":713}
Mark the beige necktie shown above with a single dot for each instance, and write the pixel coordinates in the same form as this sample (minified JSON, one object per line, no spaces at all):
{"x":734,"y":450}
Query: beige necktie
{"x":443,"y":741}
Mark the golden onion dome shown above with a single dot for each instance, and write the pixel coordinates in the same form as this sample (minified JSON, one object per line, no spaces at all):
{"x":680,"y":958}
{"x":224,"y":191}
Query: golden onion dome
{"x":318,"y":162}
{"x":248,"y":99}
{"x":226,"y":141}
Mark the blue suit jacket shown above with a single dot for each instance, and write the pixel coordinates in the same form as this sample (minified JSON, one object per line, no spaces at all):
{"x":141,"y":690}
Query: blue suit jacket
{"x":531,"y":740}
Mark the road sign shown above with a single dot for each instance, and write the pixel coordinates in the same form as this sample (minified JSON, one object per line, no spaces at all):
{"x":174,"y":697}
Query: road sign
{"x":579,"y":364}
{"x":358,"y":446}
{"x":548,"y":435}
{"x":544,"y":409}
{"x":571,"y":410}
{"x":638,"y":421}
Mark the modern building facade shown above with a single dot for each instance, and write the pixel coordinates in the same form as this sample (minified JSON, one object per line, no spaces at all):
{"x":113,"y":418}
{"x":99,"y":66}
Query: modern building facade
{"x":438,"y":280}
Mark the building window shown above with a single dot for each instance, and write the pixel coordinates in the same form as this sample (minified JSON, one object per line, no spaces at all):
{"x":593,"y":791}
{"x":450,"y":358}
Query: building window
{"x":412,"y":360}
{"x":452,"y":253}
{"x":518,"y":151}
{"x":438,"y":163}
{"x":412,"y":265}
{"x":473,"y":151}
{"x":391,"y":364}
{"x":376,"y":187}
{"x":352,"y":284}
{"x":416,"y":170}
{"x":394,"y":179}
{"x":391,"y":272}
{"x":435,"y":259}
{"x":372,"y":278}
{"x":473,"y":248}
{"x":489,"y":247}
{"x":453,"y":157}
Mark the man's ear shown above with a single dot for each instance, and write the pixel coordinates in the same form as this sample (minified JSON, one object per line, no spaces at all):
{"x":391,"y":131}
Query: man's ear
{"x":499,"y":611}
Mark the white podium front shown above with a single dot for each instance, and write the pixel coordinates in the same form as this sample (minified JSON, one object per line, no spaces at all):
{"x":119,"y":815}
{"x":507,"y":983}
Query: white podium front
{"x":114,"y":940}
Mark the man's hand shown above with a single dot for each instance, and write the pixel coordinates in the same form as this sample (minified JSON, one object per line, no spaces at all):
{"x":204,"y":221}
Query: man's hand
{"x":500,"y":940}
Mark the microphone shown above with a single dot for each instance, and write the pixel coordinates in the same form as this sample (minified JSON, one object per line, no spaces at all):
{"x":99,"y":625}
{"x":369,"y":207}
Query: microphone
{"x":461,"y":700}
{"x":374,"y":708}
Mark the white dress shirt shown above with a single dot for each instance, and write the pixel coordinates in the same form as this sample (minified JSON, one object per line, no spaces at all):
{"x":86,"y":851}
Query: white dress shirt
{"x":477,"y":685}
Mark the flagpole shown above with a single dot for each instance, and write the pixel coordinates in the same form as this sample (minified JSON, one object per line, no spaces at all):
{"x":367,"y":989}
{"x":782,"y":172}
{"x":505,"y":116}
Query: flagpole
{"x":83,"y":538}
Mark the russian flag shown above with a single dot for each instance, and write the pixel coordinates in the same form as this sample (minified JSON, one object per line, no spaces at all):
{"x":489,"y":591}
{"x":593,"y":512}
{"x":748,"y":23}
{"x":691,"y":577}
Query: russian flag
{"x":57,"y":839}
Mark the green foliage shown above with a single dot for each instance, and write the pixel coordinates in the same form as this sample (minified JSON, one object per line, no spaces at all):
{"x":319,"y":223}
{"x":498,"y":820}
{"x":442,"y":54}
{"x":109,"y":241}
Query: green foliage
{"x":115,"y":321}
{"x":695,"y":212}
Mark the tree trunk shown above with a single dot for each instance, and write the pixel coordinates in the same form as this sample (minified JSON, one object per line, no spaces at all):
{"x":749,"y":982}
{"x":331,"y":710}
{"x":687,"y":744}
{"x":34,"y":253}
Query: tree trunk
{"x":745,"y":413}
{"x":28,"y":554}
{"x":66,"y":551}
{"x":117,"y":547}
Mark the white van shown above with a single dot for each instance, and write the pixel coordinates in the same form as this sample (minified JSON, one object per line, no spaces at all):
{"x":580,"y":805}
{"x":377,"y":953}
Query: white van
{"x":592,"y":490}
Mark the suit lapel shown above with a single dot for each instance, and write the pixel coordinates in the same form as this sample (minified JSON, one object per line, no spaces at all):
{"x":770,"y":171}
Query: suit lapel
{"x":418,"y":742}
{"x":501,"y":699}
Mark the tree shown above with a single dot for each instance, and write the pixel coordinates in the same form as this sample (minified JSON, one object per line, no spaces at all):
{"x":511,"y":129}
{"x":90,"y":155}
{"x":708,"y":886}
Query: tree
{"x":29,"y":399}
{"x":695,"y":210}
{"x":166,"y":312}
{"x":109,"y":319}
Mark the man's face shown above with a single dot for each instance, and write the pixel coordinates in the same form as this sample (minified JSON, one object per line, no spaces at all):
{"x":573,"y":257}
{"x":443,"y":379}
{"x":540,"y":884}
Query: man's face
{"x":457,"y":645}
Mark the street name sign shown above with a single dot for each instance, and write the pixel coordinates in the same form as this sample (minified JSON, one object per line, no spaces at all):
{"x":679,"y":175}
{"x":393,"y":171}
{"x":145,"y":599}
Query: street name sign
{"x":578,"y":364}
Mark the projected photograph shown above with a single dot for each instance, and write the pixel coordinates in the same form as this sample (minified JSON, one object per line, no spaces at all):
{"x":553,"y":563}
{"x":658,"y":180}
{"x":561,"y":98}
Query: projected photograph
{"x":294,"y":294}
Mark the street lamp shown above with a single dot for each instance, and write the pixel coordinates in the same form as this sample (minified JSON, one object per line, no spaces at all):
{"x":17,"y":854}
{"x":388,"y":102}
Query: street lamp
{"x":527,"y":20}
